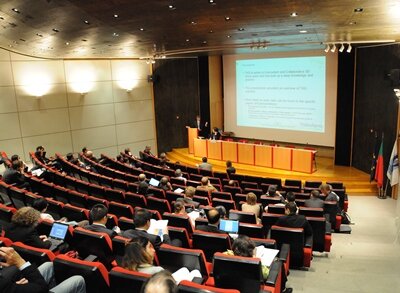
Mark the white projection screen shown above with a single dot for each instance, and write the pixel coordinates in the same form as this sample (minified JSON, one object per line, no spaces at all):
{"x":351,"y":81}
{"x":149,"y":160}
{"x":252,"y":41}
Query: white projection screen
{"x":286,"y":96}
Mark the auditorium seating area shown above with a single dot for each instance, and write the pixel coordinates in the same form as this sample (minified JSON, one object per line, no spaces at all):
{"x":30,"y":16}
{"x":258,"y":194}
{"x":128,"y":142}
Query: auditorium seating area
{"x":73,"y":191}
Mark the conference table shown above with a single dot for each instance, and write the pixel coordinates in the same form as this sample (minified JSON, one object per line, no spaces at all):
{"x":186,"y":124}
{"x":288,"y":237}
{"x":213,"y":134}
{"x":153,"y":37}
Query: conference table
{"x":285,"y":158}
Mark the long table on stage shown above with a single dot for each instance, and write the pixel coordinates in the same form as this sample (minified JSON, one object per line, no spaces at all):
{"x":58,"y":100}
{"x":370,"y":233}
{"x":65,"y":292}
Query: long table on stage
{"x":292,"y":159}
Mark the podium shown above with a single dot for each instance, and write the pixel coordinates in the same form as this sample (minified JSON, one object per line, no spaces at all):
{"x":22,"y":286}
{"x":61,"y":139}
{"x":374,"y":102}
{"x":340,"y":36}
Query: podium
{"x":192,"y":134}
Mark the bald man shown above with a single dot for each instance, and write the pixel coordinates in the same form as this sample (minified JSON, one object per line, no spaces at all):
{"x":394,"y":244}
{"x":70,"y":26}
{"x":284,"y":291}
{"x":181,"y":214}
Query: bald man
{"x":213,"y":217}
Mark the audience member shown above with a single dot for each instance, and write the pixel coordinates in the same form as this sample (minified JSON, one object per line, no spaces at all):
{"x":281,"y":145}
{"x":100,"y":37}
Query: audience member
{"x":90,"y":156}
{"x":292,"y":220}
{"x":229,"y":168}
{"x":205,"y":165}
{"x":18,"y":158}
{"x":98,"y":220}
{"x":273,"y":191}
{"x":14,"y":175}
{"x":162,"y":282}
{"x":141,"y":220}
{"x":23,"y":228}
{"x":206,"y":185}
{"x":127,"y":152}
{"x":121,"y":159}
{"x":213,"y":217}
{"x":40,"y":204}
{"x":314,"y":201}
{"x":179,"y":208}
{"x":40,"y":154}
{"x":139,"y":256}
{"x":326,"y":190}
{"x":18,"y":275}
{"x":252,"y":206}
{"x":222,"y":212}
{"x":165,"y":184}
{"x":179,"y":175}
{"x":233,"y":183}
{"x":188,"y":197}
{"x":146,"y":153}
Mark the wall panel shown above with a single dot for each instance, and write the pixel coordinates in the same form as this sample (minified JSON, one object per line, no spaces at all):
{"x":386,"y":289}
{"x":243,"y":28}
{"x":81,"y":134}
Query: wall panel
{"x":10,"y":126}
{"x":133,"y":111}
{"x":135,"y":131}
{"x":92,"y":116}
{"x":8,"y":102}
{"x":96,"y":138}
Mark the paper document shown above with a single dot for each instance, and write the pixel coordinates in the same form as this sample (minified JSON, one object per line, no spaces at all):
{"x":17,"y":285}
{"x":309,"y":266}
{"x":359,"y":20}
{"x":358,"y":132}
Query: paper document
{"x":184,"y":274}
{"x":179,"y":190}
{"x":267,"y":255}
{"x":157,"y":227}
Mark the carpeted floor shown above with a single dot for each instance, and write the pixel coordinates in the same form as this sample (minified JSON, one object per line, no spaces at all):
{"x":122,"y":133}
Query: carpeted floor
{"x":367,"y":260}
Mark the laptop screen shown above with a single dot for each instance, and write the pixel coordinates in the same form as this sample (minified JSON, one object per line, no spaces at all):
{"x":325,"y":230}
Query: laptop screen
{"x":154,"y":182}
{"x":229,"y":226}
{"x":58,"y":231}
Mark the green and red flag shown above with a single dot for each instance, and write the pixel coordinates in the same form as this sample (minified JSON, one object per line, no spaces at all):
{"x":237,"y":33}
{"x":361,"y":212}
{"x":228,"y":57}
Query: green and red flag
{"x":379,"y":167}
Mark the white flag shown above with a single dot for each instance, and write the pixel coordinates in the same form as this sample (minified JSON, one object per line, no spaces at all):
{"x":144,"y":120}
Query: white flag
{"x":393,"y":169}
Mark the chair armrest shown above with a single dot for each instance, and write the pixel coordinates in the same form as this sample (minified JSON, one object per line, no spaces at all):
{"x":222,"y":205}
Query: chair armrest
{"x":274,"y":273}
{"x":91,"y":257}
{"x":284,"y":253}
{"x":308,"y":241}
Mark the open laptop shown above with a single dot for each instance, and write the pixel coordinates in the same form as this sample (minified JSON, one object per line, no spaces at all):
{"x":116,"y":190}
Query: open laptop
{"x":229,"y":226}
{"x":57,"y":234}
{"x":154,"y":182}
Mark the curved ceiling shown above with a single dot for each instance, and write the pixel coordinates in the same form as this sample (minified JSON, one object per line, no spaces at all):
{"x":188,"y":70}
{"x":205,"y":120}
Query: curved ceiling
{"x":134,"y":29}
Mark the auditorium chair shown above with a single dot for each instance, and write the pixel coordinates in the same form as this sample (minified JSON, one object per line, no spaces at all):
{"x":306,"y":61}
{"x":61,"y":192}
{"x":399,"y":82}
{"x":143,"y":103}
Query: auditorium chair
{"x":211,"y":242}
{"x":196,"y":177}
{"x":114,"y":195}
{"x":239,"y":199}
{"x":284,"y":252}
{"x":300,"y":202}
{"x":215,"y":181}
{"x":335,"y":184}
{"x":220,"y":175}
{"x":244,"y":274}
{"x":200,"y":221}
{"x":119,"y":184}
{"x":123,"y":280}
{"x":161,"y":205}
{"x":251,"y":230}
{"x":34,"y":255}
{"x":77,"y":199}
{"x":6,"y":214}
{"x":312,"y":184}
{"x":311,"y":212}
{"x":273,"y":181}
{"x":75,"y":213}
{"x":4,"y":198}
{"x":238,"y":177}
{"x":155,"y":214}
{"x":118,"y":247}
{"x":176,"y":220}
{"x":243,"y":217}
{"x":135,"y":200}
{"x":61,"y":194}
{"x":228,"y":204}
{"x":94,"y":273}
{"x":181,"y":234}
{"x":247,"y":184}
{"x":97,"y":191}
{"x":276,"y":209}
{"x":267,"y":200}
{"x":4,"y":241}
{"x":120,"y":209}
{"x":17,"y":197}
{"x":178,"y":181}
{"x":202,"y":192}
{"x":92,"y":201}
{"x":331,"y":211}
{"x":293,"y":183}
{"x":268,"y":220}
{"x":302,"y":195}
{"x":192,"y":170}
{"x":322,"y":239}
{"x":126,"y":223}
{"x":112,"y":221}
{"x":191,"y":287}
{"x":54,"y":208}
{"x":205,"y":172}
{"x":173,"y":258}
{"x":300,"y":246}
{"x":221,"y":195}
{"x":93,"y":243}
{"x":256,"y":191}
{"x":232,"y":189}
{"x":193,"y":183}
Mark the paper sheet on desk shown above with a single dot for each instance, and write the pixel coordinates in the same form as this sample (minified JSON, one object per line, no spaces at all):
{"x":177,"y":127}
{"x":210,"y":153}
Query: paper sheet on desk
{"x":267,"y":255}
{"x":157,"y":227}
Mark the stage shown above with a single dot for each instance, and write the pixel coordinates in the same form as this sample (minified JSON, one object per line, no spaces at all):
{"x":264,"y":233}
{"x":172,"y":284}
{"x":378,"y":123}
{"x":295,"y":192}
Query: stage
{"x":356,"y":181}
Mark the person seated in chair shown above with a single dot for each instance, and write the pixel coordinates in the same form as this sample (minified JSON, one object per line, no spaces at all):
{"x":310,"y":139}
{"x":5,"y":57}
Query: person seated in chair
{"x":23,"y":228}
{"x":215,"y":135}
{"x":229,"y":168}
{"x":252,"y":206}
{"x":272,"y":192}
{"x":165,"y":184}
{"x":314,"y":201}
{"x":146,"y":153}
{"x":213,"y":217}
{"x":326,"y":191}
{"x":178,"y":175}
{"x":98,"y":218}
{"x":188,"y":197}
{"x":205,"y":165}
{"x":18,"y":158}
{"x":206,"y":185}
{"x":141,"y":220}
{"x":293,"y":220}
{"x":14,"y":175}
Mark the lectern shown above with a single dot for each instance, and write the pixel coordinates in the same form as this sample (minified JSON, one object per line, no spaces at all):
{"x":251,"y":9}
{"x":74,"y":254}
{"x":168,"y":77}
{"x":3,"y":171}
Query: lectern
{"x":192,"y":134}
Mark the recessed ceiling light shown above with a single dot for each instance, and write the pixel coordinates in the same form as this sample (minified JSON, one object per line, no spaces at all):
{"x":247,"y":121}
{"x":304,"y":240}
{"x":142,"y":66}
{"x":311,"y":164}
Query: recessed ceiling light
{"x":227,"y":18}
{"x":204,"y":42}
{"x":303,"y":31}
{"x":39,"y":35}
{"x":67,"y":43}
{"x":358,"y":10}
{"x":141,"y":29}
{"x":15,"y":10}
{"x":86,"y":21}
{"x":352,"y":22}
{"x":210,"y":31}
{"x":171,"y":7}
{"x":187,"y":40}
{"x":193,"y":22}
{"x":116,"y":15}
{"x":228,"y":36}
{"x":293,"y":14}
{"x":55,"y":30}
{"x":211,"y":2}
{"x":115,"y":34}
{"x":241,"y":29}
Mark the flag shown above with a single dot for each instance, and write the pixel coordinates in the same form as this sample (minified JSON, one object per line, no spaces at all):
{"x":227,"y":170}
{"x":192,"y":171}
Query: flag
{"x":374,"y":156}
{"x":393,"y":169}
{"x":379,"y":167}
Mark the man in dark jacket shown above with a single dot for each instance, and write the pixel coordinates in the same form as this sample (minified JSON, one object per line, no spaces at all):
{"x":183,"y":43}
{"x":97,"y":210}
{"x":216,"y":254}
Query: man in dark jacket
{"x":314,"y":201}
{"x":98,"y":215}
{"x":292,"y":220}
{"x":213,"y":217}
{"x":14,"y":175}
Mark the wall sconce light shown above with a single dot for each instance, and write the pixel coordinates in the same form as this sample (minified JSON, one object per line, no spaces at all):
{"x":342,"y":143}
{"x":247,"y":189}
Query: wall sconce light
{"x":333,"y":49}
{"x":349,"y":48}
{"x":341,"y":48}
{"x":327,"y":48}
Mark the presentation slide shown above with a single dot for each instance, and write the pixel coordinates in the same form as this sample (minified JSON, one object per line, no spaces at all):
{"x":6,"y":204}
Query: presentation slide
{"x":281,"y":93}
{"x":281,"y":96}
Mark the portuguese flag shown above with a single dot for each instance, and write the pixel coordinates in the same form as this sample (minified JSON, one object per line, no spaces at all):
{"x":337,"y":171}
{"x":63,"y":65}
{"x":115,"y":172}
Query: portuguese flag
{"x":379,"y":167}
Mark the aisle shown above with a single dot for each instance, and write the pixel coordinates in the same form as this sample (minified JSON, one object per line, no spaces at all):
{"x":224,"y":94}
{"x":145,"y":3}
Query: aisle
{"x":367,"y":260}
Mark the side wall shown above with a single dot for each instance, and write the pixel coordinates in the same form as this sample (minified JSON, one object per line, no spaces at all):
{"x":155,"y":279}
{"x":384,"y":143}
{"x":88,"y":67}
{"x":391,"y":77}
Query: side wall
{"x":106,"y":118}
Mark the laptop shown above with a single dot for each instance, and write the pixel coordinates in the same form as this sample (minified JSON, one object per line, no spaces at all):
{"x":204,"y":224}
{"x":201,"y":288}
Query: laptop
{"x":229,"y":226}
{"x":154,"y":182}
{"x":57,"y":234}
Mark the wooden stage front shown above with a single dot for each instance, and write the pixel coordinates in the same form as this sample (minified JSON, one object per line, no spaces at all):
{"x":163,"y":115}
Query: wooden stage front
{"x":356,"y":181}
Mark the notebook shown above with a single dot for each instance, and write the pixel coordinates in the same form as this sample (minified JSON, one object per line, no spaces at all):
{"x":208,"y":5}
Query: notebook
{"x":154,"y":182}
{"x":229,"y":226}
{"x":57,"y":234}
